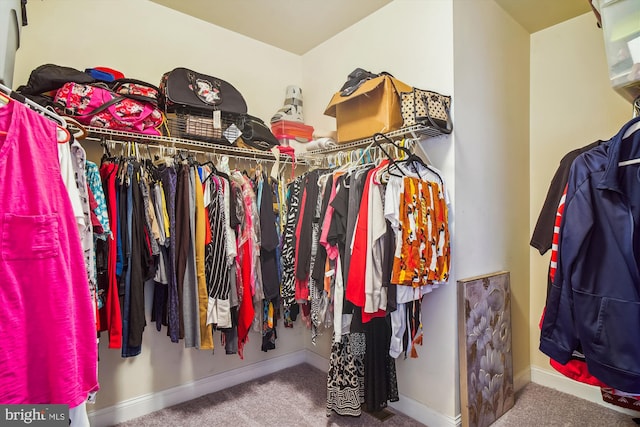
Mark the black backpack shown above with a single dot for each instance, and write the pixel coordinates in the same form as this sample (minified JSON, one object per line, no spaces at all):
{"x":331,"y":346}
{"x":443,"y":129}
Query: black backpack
{"x":48,"y":77}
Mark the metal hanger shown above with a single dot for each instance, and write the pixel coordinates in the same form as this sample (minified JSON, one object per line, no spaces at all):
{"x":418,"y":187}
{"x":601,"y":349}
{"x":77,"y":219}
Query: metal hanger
{"x":81,"y":132}
{"x":387,"y":139}
{"x":410,"y":158}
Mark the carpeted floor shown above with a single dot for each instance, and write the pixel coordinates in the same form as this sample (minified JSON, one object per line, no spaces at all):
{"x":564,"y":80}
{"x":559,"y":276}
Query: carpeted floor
{"x":538,"y":406}
{"x":297,"y":397}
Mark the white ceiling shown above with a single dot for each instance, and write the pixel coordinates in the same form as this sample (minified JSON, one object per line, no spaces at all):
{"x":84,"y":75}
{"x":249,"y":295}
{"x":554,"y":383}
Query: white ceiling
{"x":293,"y":25}
{"x":299,"y":25}
{"x":536,"y":15}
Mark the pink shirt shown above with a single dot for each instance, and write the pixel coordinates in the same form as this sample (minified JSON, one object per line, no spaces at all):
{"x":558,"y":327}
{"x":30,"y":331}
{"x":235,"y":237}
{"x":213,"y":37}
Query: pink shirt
{"x":48,"y":350}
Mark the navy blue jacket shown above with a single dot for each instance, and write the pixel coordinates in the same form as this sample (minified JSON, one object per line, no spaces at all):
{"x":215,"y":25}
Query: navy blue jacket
{"x":595,"y":298}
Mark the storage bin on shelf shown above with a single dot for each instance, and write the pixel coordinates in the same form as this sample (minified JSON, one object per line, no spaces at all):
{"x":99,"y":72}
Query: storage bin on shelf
{"x":621,"y":29}
{"x":287,"y":131}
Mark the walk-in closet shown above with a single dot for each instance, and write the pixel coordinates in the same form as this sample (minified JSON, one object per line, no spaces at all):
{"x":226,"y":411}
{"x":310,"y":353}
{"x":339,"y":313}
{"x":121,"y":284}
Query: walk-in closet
{"x":345,"y":259}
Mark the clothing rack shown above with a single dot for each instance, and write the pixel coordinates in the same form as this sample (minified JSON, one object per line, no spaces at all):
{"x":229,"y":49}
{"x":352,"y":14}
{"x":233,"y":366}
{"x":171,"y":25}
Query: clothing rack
{"x":180,"y":144}
{"x":415,"y":131}
{"x":378,"y":146}
{"x":307,"y":158}
{"x":176,"y":151}
{"x":371,"y":145}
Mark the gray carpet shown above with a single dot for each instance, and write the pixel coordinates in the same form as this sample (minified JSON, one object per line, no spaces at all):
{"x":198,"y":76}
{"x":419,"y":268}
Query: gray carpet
{"x":538,"y":406}
{"x":297,"y":397}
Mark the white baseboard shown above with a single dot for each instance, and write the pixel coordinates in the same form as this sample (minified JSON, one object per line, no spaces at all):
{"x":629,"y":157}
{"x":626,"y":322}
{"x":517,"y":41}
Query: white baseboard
{"x":424,"y":414}
{"x":142,"y":405}
{"x":315,"y":360}
{"x":566,"y":385}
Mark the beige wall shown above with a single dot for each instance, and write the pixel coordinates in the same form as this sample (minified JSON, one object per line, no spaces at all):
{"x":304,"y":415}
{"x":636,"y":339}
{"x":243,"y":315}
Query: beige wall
{"x":491,"y":66}
{"x":144,"y":40}
{"x":572,"y":105}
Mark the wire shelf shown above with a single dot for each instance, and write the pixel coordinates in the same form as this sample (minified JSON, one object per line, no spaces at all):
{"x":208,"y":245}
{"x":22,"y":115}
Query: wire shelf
{"x":103,"y":134}
{"x":414,"y":131}
{"x":309,"y":157}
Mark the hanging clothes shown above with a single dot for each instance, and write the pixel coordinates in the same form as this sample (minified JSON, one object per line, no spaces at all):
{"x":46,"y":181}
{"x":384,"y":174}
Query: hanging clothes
{"x":216,"y":269}
{"x":304,"y":236}
{"x":182,"y":237}
{"x":159,"y":311}
{"x":355,"y":181}
{"x":335,"y":251}
{"x":190,"y":295}
{"x":287,"y":291}
{"x":169,"y":180}
{"x":247,"y":243}
{"x":364,"y":286}
{"x":269,"y":242}
{"x":416,"y":206}
{"x":318,"y":296}
{"x":138,"y":262}
{"x":205,"y":339}
{"x":542,"y":235}
{"x":588,"y":302}
{"x":236,"y":289}
{"x":546,"y":236}
{"x":101,"y":232}
{"x":372,"y":226}
{"x":576,"y":368}
{"x":107,"y":252}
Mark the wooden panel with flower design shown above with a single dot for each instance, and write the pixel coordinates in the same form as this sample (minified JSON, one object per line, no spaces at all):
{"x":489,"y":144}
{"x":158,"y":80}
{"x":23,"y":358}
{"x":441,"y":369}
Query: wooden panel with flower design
{"x":484,"y":336}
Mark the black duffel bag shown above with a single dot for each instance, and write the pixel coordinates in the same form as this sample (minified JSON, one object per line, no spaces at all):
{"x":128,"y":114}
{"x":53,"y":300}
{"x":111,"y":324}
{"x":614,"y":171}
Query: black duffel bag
{"x":46,"y":79}
{"x":51,"y":77}
{"x":256,"y":134}
{"x":183,"y":89}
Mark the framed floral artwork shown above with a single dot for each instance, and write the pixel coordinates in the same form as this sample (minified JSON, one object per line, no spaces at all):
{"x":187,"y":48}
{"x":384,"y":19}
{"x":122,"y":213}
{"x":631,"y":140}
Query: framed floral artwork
{"x":484,"y":336}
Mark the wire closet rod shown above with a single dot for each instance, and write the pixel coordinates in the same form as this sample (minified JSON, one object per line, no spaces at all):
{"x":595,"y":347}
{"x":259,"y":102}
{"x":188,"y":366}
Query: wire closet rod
{"x":414,"y":131}
{"x":99,"y":134}
{"x":175,"y":150}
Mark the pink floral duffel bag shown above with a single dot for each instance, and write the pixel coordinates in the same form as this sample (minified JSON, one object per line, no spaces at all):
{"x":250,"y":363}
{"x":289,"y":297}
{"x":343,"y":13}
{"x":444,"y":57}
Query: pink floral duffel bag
{"x":100,"y":107}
